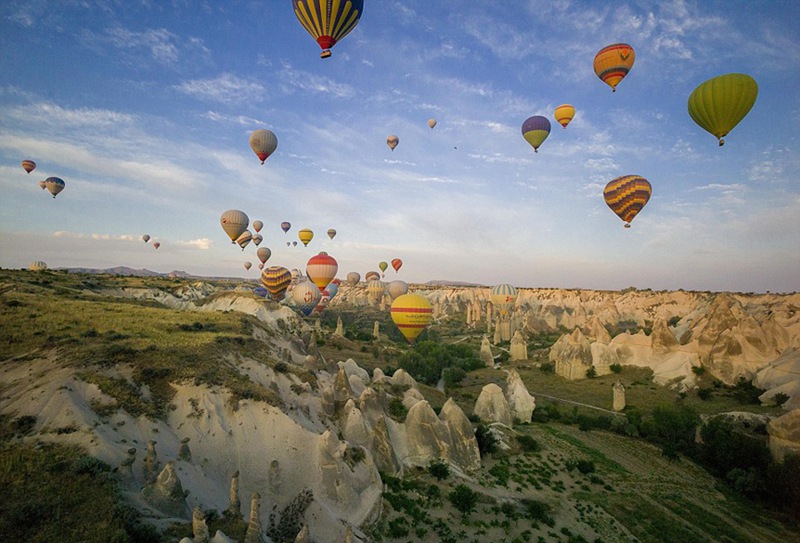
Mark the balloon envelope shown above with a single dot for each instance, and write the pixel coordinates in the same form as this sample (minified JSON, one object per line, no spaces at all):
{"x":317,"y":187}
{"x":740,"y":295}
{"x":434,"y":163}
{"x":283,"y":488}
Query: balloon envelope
{"x":247,"y":265}
{"x":244,"y":239}
{"x":411,"y":314}
{"x":397,"y":288}
{"x":285,"y":226}
{"x":720,"y":103}
{"x":331,"y":233}
{"x":333,"y":289}
{"x":392,"y":142}
{"x":263,"y":143}
{"x":146,"y":238}
{"x":383,"y":266}
{"x":263,"y":254}
{"x":257,"y":239}
{"x":234,"y":222}
{"x":321,"y":269}
{"x":42,"y":184}
{"x":258,"y":225}
{"x":431,"y":122}
{"x":375,"y":290}
{"x":353,"y":278}
{"x":305,"y":236}
{"x":28,"y":165}
{"x":564,"y":114}
{"x":276,"y":279}
{"x":328,"y":21}
{"x":627,"y":195}
{"x":535,"y":130}
{"x":397,"y":264}
{"x":612,"y":63}
{"x":54,"y":185}
{"x":503,"y":297}
{"x":156,"y":244}
{"x":371,"y":276}
{"x":306,"y":296}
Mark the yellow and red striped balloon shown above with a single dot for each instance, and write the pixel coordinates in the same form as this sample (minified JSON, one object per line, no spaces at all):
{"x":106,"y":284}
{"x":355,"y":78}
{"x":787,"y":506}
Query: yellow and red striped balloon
{"x":627,"y":195}
{"x":564,"y":114}
{"x":321,"y":269}
{"x":613,"y":62}
{"x":411,"y":314}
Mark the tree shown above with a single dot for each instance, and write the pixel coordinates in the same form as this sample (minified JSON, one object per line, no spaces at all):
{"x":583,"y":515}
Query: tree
{"x":464,"y":499}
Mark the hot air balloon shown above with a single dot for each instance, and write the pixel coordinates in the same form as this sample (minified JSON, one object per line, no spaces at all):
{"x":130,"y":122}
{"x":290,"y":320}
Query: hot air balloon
{"x":234,"y":222}
{"x":397,"y":288}
{"x":332,"y":288}
{"x":257,"y":226}
{"x":285,"y":226}
{"x":156,"y":244}
{"x":324,"y":299}
{"x":328,"y":21}
{"x":244,"y":239}
{"x":382,"y":266}
{"x":353,"y":278}
{"x":305,"y":236}
{"x":721,"y":102}
{"x":375,"y":290}
{"x":297,"y":276}
{"x":42,"y":184}
{"x":331,"y":233}
{"x":392,"y":142}
{"x":54,"y":185}
{"x":260,"y":291}
{"x":306,"y":296}
{"x":257,"y":239}
{"x":276,"y":279}
{"x":146,"y":238}
{"x":260,"y":265}
{"x":564,"y":114}
{"x":411,"y":313}
{"x":263,"y":143}
{"x":247,"y":265}
{"x":294,"y":244}
{"x":535,"y":130}
{"x":321,"y":269}
{"x":371,"y":276}
{"x":431,"y":123}
{"x":397,"y":264}
{"x":37,"y":266}
{"x":288,"y":243}
{"x":627,"y":195}
{"x":263,"y":254}
{"x":612,"y":63}
{"x":28,"y":165}
{"x":503,"y":297}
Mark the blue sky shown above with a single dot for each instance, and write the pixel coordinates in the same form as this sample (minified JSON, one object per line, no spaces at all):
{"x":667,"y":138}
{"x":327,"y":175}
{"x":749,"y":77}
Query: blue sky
{"x":144,"y":109}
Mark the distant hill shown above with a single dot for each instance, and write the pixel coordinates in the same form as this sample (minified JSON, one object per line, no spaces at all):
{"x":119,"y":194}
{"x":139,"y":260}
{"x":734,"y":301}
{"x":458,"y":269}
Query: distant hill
{"x":124,"y":270}
{"x":446,"y":283}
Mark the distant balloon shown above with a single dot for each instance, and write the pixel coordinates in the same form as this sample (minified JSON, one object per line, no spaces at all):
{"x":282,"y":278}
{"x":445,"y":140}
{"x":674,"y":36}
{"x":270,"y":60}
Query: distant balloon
{"x":720,"y":103}
{"x":627,"y":195}
{"x":306,"y":296}
{"x":431,"y":123}
{"x":535,"y":130}
{"x":54,"y":185}
{"x":42,"y":184}
{"x":397,"y":264}
{"x":331,"y":233}
{"x":397,"y":288}
{"x":257,"y":226}
{"x":244,"y":239}
{"x":247,"y":265}
{"x":503,"y":297}
{"x":146,"y":238}
{"x":260,"y":291}
{"x":411,"y":314}
{"x":612,"y":63}
{"x":383,"y":266}
{"x":392,"y":142}
{"x":263,"y":143}
{"x":263,"y":254}
{"x":156,"y":244}
{"x":294,"y":244}
{"x":375,"y":290}
{"x":285,"y":226}
{"x":28,"y":165}
{"x":305,"y":236}
{"x":353,"y":278}
{"x":371,"y":276}
{"x":564,"y":114}
{"x":328,"y":21}
{"x":276,"y":279}
{"x":234,"y":222}
{"x":257,"y":239}
{"x":321,"y":269}
{"x":332,"y":289}
{"x":37,"y":266}
{"x":260,"y":265}
{"x":288,"y":243}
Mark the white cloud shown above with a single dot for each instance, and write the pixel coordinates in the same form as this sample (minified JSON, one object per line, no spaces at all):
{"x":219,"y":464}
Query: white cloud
{"x":202,"y":244}
{"x":311,"y":82}
{"x":54,"y":115}
{"x":241,"y":120}
{"x":227,"y":89}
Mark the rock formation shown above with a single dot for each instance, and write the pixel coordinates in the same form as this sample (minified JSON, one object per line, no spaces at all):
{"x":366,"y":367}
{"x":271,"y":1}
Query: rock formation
{"x":302,"y":537}
{"x":572,"y":355}
{"x":492,"y":406}
{"x":519,"y":399}
{"x":784,"y":435}
{"x":150,"y":462}
{"x":184,"y":453}
{"x":463,"y":450}
{"x":519,"y":349}
{"x":618,"y":403}
{"x":166,"y":492}
{"x":199,"y":527}
{"x":376,"y":330}
{"x":486,"y":352}
{"x":339,"y":327}
{"x":235,"y":505}
{"x":254,"y":532}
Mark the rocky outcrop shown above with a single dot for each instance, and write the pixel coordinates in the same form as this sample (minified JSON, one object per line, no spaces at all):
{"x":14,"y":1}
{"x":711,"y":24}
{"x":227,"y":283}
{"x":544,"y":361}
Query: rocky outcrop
{"x":618,"y":400}
{"x":519,"y":349}
{"x":486,"y":352}
{"x":519,"y":399}
{"x":572,"y":355}
{"x":492,"y":406}
{"x":661,"y":338}
{"x":596,"y":331}
{"x":254,"y":532}
{"x":782,"y":376}
{"x":463,"y":451}
{"x":427,"y":437}
{"x":784,"y":435}
{"x":166,"y":493}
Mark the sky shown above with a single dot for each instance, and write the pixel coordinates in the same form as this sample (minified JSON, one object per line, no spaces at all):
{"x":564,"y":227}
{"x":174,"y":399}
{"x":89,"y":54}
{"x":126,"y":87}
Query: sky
{"x":144,"y":109}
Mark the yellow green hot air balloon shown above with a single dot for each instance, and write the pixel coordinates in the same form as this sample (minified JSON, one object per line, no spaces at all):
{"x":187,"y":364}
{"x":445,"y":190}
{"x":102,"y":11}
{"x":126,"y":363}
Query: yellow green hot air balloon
{"x":627,"y":195}
{"x":721,"y":102}
{"x":411,"y":314}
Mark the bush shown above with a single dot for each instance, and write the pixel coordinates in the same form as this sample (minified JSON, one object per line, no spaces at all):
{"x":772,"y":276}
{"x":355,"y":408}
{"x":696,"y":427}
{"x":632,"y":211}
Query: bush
{"x":439,"y":469}
{"x":487,"y":443}
{"x":426,"y":361}
{"x":585,"y":466}
{"x":616,"y":368}
{"x":464,"y":499}
{"x":780,"y":398}
{"x":704,"y":393}
{"x":591,"y":373}
{"x":537,"y":511}
{"x":528,"y":443}
{"x":699,"y":370}
{"x":397,"y":410}
{"x":548,"y":367}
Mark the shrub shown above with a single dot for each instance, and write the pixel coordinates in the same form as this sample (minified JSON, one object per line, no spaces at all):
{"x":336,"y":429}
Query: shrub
{"x":699,"y":370}
{"x":501,"y":473}
{"x":439,"y":469}
{"x":780,"y":398}
{"x":426,"y":361}
{"x":397,"y":410}
{"x":464,"y":499}
{"x":591,"y":373}
{"x":704,"y":393}
{"x":528,"y":443}
{"x":487,"y":443}
{"x":616,"y":368}
{"x":548,"y":367}
{"x":537,"y":511}
{"x":281,"y":367}
{"x":585,"y":466}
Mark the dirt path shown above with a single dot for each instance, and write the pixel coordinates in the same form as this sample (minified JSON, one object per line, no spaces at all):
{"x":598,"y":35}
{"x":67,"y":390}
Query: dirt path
{"x":538,"y":394}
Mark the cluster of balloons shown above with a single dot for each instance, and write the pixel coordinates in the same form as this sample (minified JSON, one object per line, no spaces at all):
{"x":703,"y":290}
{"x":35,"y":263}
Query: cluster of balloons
{"x":53,"y":184}
{"x":146,"y":238}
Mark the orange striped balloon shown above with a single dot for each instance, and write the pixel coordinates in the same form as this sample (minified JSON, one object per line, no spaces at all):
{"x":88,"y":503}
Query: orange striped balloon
{"x":612,"y":63}
{"x":321,"y":269}
{"x":627,"y":195}
{"x":411,"y":313}
{"x":276,"y":279}
{"x":564,"y":114}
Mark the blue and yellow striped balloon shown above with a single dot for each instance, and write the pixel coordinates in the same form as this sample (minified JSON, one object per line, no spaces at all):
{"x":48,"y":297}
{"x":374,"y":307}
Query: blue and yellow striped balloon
{"x":503,"y":297}
{"x":328,"y":21}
